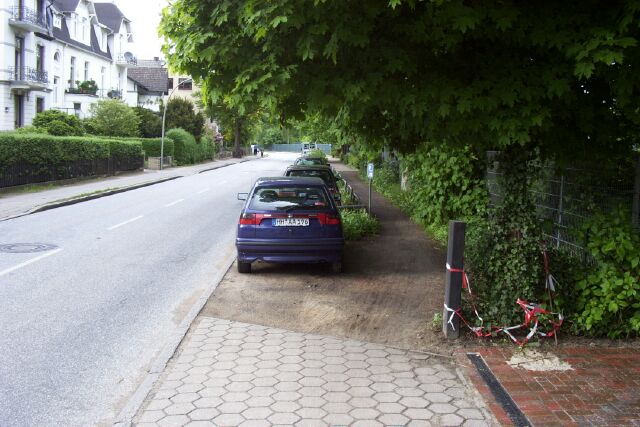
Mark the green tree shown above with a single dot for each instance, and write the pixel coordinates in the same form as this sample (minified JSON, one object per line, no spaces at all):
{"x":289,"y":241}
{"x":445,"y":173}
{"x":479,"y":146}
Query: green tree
{"x":150,"y":122}
{"x":559,"y":75}
{"x":181,"y":113}
{"x":113,"y":117}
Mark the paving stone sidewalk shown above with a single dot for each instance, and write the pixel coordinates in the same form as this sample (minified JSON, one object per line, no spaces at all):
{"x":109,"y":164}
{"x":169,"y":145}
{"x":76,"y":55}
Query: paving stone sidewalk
{"x":228,"y":373}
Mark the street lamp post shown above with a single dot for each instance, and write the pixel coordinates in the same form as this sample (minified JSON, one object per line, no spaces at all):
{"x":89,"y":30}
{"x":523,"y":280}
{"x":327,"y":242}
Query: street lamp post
{"x":164,"y":115}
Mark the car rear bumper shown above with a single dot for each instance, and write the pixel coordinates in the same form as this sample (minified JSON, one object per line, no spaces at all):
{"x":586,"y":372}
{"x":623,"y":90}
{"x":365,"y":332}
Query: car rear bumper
{"x":290,"y":251}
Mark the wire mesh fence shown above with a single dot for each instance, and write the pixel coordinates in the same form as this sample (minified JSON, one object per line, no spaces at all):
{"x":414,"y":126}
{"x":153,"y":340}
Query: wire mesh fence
{"x":565,"y":199}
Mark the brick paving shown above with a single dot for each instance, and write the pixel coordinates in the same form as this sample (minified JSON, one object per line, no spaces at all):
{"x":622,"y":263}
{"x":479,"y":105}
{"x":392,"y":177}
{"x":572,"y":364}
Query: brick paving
{"x":602,"y":389}
{"x":229,"y":373}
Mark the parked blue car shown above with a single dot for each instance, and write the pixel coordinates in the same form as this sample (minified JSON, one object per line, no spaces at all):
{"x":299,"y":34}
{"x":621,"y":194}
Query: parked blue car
{"x":289,"y":220}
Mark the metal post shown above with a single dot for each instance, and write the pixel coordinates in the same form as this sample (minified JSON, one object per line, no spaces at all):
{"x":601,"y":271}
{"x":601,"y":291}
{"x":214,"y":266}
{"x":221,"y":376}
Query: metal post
{"x":560,"y":210}
{"x":635,"y":220}
{"x":453,"y":286}
{"x":370,"y":180}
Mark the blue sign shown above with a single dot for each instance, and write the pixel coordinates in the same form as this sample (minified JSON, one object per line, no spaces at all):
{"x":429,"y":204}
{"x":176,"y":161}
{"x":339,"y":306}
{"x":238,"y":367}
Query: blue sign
{"x":370,"y":171}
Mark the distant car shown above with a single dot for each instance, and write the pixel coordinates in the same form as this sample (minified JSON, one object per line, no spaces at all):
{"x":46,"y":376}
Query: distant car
{"x":311,"y":160}
{"x":289,"y":220}
{"x":317,"y":171}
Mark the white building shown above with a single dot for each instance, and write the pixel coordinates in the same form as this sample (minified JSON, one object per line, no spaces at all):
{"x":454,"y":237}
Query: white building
{"x":66,"y":55}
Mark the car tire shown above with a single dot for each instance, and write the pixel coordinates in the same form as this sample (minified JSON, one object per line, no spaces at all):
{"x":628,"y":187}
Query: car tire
{"x":244,"y":267}
{"x":336,"y":267}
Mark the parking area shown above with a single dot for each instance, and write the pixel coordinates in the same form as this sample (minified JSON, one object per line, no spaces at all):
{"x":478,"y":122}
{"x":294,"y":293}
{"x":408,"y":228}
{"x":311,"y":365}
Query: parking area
{"x":391,"y":287}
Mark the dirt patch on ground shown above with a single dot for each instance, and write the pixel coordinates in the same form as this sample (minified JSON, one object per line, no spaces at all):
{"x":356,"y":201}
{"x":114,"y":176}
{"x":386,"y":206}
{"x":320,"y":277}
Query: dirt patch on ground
{"x":391,"y":288}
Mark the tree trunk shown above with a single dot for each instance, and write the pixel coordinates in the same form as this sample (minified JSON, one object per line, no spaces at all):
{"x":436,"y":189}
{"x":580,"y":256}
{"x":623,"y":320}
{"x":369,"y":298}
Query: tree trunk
{"x":237,"y":151}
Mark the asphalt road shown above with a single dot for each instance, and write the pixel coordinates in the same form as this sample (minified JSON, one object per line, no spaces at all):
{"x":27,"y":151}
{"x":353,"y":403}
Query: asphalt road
{"x":81,"y":322}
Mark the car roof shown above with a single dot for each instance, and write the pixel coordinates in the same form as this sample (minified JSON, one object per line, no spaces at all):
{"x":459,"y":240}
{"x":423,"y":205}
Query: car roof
{"x":289,"y":180}
{"x":309,"y":167}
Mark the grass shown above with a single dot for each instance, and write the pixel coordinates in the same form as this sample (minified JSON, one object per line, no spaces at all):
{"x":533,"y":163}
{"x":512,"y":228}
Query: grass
{"x":357,"y":224}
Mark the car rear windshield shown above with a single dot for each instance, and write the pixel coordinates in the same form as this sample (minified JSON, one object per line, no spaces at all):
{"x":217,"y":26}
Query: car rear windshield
{"x":310,"y":161}
{"x":325,"y":175}
{"x":288,"y":198}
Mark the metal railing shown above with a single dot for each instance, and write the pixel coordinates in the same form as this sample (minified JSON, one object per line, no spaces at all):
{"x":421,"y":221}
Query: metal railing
{"x":126,"y":59}
{"x":28,"y":74}
{"x":32,"y":16}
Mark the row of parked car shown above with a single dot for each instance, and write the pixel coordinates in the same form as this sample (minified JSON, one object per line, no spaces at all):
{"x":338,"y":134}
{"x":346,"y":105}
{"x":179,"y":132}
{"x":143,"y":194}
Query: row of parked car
{"x":292,"y":218}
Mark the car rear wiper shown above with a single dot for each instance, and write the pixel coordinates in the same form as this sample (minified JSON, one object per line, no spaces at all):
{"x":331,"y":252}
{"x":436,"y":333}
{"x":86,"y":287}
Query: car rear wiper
{"x":290,"y":208}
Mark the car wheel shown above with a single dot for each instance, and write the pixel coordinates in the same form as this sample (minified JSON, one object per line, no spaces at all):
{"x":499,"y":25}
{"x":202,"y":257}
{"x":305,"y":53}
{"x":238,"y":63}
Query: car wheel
{"x":244,"y":267}
{"x":336,"y":267}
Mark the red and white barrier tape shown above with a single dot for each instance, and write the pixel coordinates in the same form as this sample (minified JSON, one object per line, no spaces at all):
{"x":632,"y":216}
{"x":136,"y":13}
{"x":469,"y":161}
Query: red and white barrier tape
{"x":531,"y":312}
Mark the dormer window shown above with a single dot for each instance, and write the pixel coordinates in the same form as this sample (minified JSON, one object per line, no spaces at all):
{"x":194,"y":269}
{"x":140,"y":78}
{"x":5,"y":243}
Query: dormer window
{"x":57,"y":21}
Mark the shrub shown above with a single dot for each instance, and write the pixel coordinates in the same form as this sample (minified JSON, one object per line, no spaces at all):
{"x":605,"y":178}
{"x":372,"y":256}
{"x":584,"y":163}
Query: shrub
{"x":30,"y":130}
{"x":357,"y":224}
{"x":181,"y":114}
{"x":608,"y":296}
{"x":150,"y":123}
{"x":46,"y":119}
{"x":185,"y":147}
{"x":151,"y":146}
{"x":208,"y":148}
{"x":114,"y":118}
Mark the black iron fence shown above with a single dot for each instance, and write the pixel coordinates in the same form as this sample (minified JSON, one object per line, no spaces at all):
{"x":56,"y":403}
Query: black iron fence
{"x":32,"y":16}
{"x":28,"y":74}
{"x":28,"y":173}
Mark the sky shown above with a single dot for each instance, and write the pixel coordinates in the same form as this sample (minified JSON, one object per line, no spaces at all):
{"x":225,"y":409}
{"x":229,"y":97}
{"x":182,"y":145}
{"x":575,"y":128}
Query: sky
{"x":145,"y":17}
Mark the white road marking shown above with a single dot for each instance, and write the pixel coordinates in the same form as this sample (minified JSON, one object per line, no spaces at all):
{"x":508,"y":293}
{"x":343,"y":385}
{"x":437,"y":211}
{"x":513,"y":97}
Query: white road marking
{"x":113,"y":227}
{"x":204,"y":190}
{"x":175,"y":202}
{"x":31,"y":261}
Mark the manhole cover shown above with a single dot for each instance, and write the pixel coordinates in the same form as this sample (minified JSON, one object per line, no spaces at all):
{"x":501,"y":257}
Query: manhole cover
{"x":26,"y":248}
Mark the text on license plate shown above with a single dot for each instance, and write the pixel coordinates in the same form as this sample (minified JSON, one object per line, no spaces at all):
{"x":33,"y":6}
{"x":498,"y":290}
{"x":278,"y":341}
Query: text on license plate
{"x":291,"y":222}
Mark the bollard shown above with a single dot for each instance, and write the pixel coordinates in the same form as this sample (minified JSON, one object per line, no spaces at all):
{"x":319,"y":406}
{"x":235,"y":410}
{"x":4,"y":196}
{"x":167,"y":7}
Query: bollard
{"x":453,"y":287}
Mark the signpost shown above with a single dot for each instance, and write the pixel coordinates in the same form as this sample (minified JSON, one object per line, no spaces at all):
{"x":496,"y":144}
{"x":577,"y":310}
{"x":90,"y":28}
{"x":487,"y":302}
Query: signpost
{"x":370,"y":176}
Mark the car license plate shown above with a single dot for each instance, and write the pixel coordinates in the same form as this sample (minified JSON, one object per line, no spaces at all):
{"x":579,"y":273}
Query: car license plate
{"x":291,"y":222}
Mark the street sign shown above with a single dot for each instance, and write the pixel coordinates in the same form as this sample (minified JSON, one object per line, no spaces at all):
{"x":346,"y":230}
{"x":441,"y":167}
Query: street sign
{"x":370,"y":170}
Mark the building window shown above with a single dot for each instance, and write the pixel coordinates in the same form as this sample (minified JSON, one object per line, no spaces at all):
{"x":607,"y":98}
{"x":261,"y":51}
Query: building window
{"x":86,"y":70}
{"x":84,"y":29}
{"x":57,"y":21}
{"x":184,"y":86}
{"x":103,"y":74}
{"x":77,"y":108}
{"x":40,"y":58}
{"x":56,"y":56}
{"x":72,"y":73}
{"x":169,"y":84}
{"x":56,"y":83}
{"x":39,"y":105}
{"x":19,"y":58}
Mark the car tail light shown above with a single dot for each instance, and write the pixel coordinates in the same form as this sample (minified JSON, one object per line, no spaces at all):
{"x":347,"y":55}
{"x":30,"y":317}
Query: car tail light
{"x":328,"y":219}
{"x":247,"y":219}
{"x":252,"y":219}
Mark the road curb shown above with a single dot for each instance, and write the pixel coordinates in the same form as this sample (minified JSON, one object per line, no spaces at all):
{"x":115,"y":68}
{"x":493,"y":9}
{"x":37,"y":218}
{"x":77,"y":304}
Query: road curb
{"x":135,"y":402}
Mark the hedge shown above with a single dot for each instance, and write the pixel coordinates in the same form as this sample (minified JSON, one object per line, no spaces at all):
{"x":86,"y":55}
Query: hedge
{"x":48,"y":149}
{"x":151,"y":146}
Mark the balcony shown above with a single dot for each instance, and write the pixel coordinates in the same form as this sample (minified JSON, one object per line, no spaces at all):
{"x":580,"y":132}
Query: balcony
{"x":27,"y":19}
{"x":28,"y":78}
{"x":127,"y":60}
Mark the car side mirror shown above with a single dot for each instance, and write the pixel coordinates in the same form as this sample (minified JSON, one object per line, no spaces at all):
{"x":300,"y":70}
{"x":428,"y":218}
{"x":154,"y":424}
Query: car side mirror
{"x":243,"y":196}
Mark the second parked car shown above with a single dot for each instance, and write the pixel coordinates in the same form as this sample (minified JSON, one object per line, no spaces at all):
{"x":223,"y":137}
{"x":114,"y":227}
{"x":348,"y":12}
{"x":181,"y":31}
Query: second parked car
{"x":317,"y":171}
